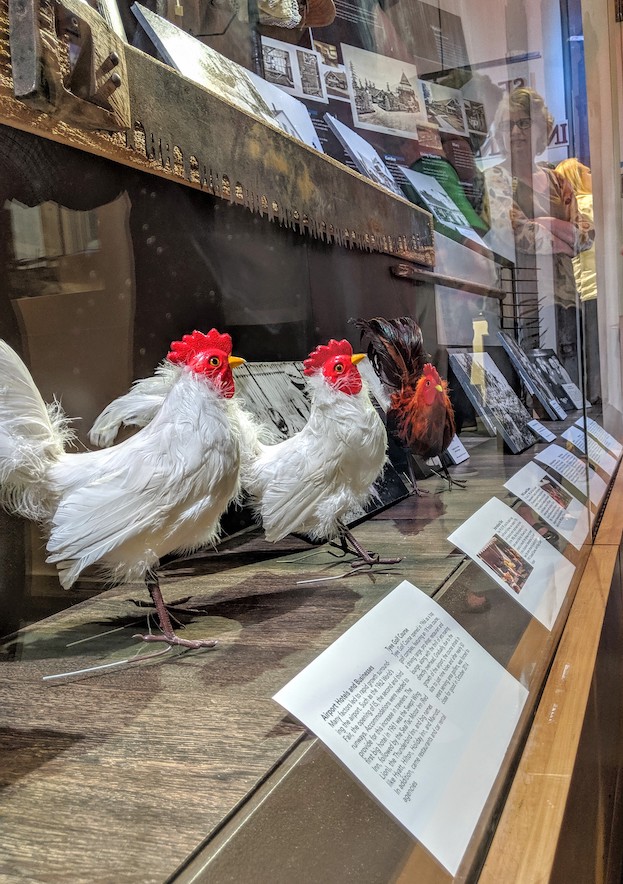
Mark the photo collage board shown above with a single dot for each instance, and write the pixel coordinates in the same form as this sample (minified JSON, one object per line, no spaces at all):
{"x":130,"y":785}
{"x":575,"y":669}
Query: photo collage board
{"x":387,"y":106}
{"x":374,"y":87}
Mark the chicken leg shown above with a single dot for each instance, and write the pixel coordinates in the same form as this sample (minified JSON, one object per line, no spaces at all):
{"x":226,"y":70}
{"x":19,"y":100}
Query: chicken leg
{"x":167,"y":633}
{"x":444,"y":473}
{"x":349,"y":543}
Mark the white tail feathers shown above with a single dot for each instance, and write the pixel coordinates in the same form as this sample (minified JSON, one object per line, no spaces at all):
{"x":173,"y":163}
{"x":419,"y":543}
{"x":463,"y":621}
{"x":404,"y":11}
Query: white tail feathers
{"x":32,"y":436}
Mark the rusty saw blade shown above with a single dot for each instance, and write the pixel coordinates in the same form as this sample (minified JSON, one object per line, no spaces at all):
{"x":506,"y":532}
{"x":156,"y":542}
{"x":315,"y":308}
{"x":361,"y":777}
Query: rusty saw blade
{"x":170,"y":125}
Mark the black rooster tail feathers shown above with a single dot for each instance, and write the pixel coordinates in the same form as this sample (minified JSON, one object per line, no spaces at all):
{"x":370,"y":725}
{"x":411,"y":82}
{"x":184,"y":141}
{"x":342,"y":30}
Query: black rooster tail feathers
{"x":395,"y":348}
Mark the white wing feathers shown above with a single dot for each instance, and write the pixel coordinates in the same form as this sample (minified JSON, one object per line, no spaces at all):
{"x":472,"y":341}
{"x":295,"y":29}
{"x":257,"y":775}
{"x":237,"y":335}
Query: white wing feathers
{"x":32,"y":437}
{"x":137,"y":407}
{"x":145,"y":398}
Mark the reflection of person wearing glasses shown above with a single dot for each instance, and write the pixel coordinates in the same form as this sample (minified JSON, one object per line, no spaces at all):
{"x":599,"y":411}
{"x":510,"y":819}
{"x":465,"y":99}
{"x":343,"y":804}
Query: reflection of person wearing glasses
{"x":537,"y":208}
{"x":522,"y":124}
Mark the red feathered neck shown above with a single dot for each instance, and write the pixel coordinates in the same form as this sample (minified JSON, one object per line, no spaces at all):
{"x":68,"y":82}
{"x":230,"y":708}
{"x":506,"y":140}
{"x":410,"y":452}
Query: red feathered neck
{"x":317,"y":358}
{"x":183,"y":352}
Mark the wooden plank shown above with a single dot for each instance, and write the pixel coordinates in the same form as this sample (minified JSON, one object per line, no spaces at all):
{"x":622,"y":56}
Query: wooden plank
{"x":524,"y":845}
{"x":610,"y":528}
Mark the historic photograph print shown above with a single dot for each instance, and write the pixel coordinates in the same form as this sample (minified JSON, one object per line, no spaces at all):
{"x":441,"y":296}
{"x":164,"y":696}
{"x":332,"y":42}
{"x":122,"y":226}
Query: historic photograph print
{"x":386,"y":95}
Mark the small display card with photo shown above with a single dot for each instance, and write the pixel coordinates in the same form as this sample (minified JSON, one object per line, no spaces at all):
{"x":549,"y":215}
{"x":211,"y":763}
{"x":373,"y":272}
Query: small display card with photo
{"x":541,"y":432}
{"x":602,"y":436}
{"x":553,"y":503}
{"x":518,"y":558}
{"x":597,"y":455}
{"x":575,"y":471}
{"x":418,"y":712}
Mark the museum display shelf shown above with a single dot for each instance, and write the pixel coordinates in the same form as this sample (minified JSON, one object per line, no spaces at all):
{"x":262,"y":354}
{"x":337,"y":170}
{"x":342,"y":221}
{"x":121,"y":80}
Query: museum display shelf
{"x":154,"y":185}
{"x":129,"y":771}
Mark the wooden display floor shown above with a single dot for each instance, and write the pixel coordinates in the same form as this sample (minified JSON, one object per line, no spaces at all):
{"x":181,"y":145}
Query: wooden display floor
{"x":120,"y":775}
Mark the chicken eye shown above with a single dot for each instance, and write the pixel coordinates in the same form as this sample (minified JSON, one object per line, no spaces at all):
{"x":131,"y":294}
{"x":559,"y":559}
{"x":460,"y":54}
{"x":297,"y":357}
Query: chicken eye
{"x":338,"y":368}
{"x":215,"y":361}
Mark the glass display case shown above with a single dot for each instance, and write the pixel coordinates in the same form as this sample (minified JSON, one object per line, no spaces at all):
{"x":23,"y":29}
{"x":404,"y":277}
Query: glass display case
{"x":294,"y":174}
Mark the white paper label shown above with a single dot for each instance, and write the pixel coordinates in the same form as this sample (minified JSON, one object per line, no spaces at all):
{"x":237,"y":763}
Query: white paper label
{"x":562,"y":414}
{"x":418,"y":711}
{"x":574,"y":394}
{"x":597,"y":455}
{"x":541,"y":432}
{"x":602,"y":436}
{"x":457,"y":451}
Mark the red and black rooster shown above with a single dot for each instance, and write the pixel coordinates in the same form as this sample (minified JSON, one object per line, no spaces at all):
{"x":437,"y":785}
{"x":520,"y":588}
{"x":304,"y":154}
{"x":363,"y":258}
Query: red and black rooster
{"x":420,"y":416}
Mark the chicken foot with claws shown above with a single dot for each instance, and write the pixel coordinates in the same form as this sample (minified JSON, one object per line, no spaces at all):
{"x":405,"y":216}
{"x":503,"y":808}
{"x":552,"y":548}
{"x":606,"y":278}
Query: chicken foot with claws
{"x":445,"y":474}
{"x":167,"y":632}
{"x":348,"y":543}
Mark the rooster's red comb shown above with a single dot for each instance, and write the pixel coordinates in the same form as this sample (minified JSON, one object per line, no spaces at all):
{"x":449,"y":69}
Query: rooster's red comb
{"x":182,"y":351}
{"x":430,"y":369}
{"x":319,"y":356}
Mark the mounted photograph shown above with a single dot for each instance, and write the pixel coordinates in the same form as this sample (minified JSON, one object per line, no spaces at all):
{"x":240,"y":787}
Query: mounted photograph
{"x":444,"y":107}
{"x":293,"y":69}
{"x":363,"y":155}
{"x":495,"y":401}
{"x":386,"y":95}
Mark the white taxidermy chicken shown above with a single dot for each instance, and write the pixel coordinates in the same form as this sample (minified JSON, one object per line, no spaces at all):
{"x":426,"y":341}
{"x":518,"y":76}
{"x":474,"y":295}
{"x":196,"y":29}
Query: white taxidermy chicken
{"x":304,"y":484}
{"x":123,"y":508}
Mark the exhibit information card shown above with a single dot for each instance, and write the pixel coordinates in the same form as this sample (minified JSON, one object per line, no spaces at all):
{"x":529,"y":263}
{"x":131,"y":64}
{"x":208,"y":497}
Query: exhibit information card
{"x":575,"y":471}
{"x":597,"y":455}
{"x":602,"y":436}
{"x":553,"y":503}
{"x":418,"y":711}
{"x":541,"y":432}
{"x":518,"y":558}
{"x":456,"y":451}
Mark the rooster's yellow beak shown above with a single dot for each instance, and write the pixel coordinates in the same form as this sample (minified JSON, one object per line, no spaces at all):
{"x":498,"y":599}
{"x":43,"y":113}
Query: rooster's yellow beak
{"x":439,"y":388}
{"x":357,"y":357}
{"x":235,"y":361}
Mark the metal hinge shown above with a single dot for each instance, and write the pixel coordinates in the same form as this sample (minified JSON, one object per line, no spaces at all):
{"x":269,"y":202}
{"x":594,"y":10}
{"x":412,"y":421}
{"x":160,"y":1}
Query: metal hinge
{"x":66,"y":62}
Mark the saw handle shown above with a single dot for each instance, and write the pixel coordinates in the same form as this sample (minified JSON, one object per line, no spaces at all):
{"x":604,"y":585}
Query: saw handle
{"x":68,"y":64}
